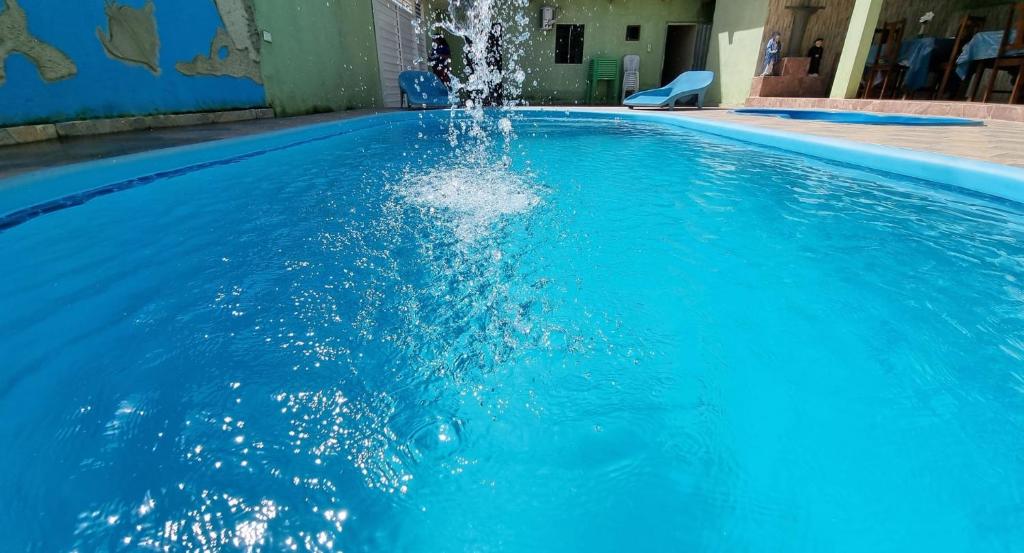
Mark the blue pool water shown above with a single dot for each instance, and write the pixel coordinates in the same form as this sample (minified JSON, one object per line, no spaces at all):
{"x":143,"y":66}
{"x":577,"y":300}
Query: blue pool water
{"x":860,"y":117}
{"x":601,"y":336}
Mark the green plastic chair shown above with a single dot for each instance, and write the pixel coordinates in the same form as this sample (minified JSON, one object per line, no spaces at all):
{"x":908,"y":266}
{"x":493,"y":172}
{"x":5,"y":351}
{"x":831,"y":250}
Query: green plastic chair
{"x":604,"y":69}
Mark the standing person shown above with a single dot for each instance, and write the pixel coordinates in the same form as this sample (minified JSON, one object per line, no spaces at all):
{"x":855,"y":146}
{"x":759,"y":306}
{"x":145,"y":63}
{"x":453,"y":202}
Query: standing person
{"x":467,"y":56}
{"x":440,"y":60}
{"x":469,"y":92}
{"x":815,"y":54}
{"x":495,"y":66}
{"x":772,"y":54}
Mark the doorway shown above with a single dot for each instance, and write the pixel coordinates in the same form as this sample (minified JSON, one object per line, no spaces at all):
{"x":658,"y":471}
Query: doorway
{"x":399,"y":45}
{"x":680,"y":46}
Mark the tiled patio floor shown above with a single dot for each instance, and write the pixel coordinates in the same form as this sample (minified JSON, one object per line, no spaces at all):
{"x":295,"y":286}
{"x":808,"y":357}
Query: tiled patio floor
{"x":971,"y":110}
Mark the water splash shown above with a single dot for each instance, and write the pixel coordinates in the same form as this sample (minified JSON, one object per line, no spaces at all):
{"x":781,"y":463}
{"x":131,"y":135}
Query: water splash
{"x":476,"y":186}
{"x":494,"y":34}
{"x":469,"y":200}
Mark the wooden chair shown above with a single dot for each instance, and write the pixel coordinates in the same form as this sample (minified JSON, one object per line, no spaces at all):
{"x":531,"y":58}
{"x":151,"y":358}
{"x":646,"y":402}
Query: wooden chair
{"x":1010,"y":44}
{"x":969,"y":26}
{"x":886,"y":62}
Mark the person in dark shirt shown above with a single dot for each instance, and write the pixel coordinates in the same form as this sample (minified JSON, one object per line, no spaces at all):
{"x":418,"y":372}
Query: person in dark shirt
{"x":467,"y":58}
{"x":495,"y":65}
{"x":440,"y":59}
{"x":815,"y":54}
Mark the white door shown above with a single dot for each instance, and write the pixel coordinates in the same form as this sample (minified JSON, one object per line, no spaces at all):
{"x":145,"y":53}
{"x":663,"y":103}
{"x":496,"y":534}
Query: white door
{"x":399,"y":45}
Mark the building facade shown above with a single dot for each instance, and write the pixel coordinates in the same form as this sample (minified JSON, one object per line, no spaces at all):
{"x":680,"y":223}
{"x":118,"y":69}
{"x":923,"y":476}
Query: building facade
{"x":63,"y":60}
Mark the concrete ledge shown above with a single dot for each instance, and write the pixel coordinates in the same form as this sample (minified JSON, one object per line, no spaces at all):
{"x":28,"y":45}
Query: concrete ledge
{"x":792,"y":81}
{"x":26,"y":134}
{"x":101,"y":126}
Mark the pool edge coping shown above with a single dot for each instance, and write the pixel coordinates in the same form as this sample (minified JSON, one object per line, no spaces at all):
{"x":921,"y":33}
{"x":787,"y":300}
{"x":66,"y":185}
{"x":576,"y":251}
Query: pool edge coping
{"x":1006,"y":181}
{"x":100,"y":173}
{"x":37,"y":188}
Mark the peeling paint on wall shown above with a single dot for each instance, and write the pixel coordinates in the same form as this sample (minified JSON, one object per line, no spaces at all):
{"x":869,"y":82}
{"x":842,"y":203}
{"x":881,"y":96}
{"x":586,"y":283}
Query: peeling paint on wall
{"x":132,"y":35}
{"x":240,"y":22}
{"x":53,"y":65}
{"x":113,"y":70}
{"x":234,"y":50}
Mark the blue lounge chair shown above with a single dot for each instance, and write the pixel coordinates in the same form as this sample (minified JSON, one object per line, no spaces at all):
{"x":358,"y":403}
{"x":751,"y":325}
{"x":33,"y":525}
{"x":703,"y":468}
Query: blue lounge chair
{"x":423,"y":89}
{"x":691,"y":83}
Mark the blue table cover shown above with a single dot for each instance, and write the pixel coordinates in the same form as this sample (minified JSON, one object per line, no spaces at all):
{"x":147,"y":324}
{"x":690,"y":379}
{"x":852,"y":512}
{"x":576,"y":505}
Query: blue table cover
{"x":984,"y":46}
{"x":916,"y":56}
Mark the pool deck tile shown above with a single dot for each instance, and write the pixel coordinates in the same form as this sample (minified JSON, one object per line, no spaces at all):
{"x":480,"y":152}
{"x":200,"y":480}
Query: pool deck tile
{"x":974,"y":110}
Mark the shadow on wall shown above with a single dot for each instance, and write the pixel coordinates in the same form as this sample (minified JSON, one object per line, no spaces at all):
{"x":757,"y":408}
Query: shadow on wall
{"x":830,"y":23}
{"x":735,"y":48}
{"x":63,"y":60}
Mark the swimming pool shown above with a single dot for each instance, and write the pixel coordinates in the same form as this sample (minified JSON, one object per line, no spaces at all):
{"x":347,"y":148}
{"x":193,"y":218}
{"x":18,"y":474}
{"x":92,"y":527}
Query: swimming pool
{"x":860,"y":117}
{"x":606,"y":334}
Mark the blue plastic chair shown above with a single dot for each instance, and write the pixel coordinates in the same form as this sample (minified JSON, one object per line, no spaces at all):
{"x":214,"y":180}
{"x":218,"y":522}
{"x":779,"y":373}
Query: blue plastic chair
{"x":691,"y":83}
{"x":423,"y":89}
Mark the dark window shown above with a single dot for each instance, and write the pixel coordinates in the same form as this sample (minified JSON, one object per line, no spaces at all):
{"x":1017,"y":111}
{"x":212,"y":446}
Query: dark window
{"x":569,"y":44}
{"x":632,"y":33}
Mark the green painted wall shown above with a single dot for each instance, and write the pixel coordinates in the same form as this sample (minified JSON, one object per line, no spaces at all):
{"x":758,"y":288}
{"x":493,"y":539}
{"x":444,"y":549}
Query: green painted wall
{"x":604,"y":35}
{"x":863,"y":21}
{"x":735,"y":48}
{"x":323,"y":56}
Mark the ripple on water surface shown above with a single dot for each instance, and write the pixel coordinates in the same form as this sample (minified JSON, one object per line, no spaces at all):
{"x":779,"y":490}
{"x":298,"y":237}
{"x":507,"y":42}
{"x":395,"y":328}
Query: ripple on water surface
{"x":599,"y":336}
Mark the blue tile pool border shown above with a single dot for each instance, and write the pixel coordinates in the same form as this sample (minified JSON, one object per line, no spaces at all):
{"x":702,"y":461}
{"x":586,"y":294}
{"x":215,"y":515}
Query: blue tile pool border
{"x":25,"y":197}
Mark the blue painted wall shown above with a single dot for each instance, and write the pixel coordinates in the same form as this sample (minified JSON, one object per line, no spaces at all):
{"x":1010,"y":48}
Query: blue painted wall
{"x":105,"y":87}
